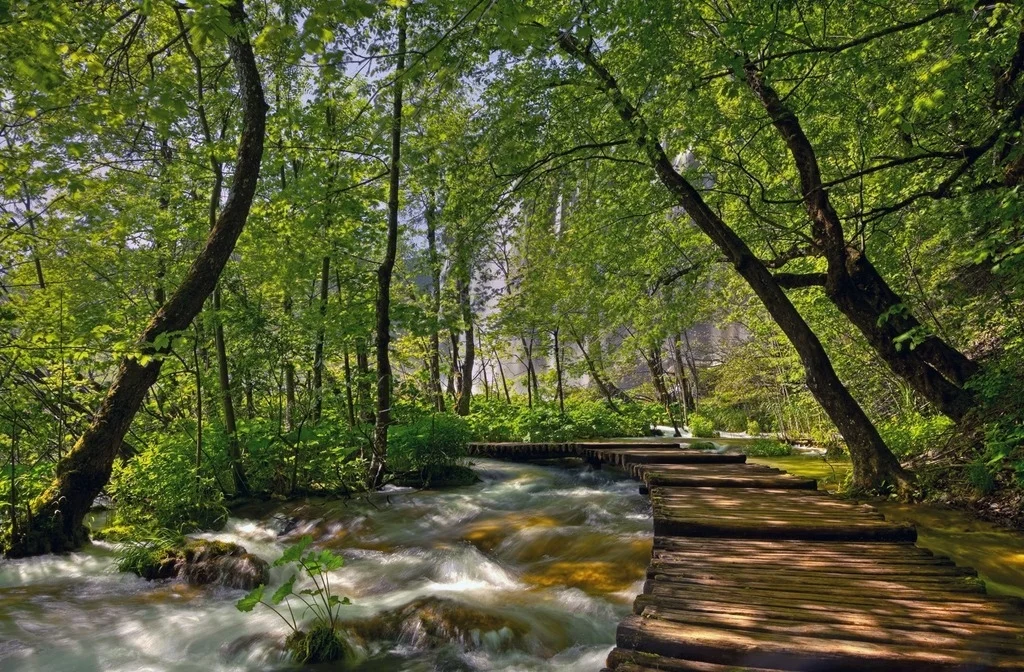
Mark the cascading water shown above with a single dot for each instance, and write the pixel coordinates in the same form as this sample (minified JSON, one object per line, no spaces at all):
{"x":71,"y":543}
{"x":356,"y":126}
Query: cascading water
{"x":529,"y":570}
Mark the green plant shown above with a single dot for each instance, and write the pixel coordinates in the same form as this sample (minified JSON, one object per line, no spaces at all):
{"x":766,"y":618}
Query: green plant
{"x":436,"y":440}
{"x":702,"y":445}
{"x":159,"y":489}
{"x":769,"y":448}
{"x":701,"y":426}
{"x":142,"y":554}
{"x":753,"y":428}
{"x":981,"y":478}
{"x":322,"y":642}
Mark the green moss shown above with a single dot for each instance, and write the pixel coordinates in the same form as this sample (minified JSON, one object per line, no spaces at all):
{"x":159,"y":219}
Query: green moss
{"x":702,"y":445}
{"x":320,"y":645}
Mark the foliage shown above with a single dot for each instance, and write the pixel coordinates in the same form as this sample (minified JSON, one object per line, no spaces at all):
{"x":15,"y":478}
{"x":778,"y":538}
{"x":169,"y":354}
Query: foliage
{"x":436,"y":440}
{"x":701,"y":426}
{"x":768,"y":448}
{"x":145,"y":550}
{"x":159,"y":489}
{"x":322,"y":642}
{"x":914,"y":433}
{"x":583,"y":419}
{"x":981,"y":478}
{"x":753,"y":428}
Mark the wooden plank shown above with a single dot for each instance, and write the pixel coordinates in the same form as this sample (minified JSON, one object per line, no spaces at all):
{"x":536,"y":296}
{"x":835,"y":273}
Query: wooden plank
{"x":967,"y":624}
{"x":720,"y":476}
{"x":626,"y":660}
{"x":902,"y":633}
{"x":795,"y":652}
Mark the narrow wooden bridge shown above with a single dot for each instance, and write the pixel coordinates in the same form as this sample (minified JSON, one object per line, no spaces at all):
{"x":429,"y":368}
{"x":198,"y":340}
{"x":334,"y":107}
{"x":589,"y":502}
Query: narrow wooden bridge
{"x":755,"y":569}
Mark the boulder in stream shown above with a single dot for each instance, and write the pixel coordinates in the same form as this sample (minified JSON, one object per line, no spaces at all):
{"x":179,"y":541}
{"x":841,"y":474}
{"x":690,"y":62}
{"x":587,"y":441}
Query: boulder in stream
{"x":201,"y":562}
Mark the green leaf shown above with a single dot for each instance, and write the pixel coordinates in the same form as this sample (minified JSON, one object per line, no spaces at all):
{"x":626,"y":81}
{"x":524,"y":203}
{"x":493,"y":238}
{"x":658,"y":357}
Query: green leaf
{"x":284,"y":591}
{"x":294,"y":552}
{"x":249,"y":602}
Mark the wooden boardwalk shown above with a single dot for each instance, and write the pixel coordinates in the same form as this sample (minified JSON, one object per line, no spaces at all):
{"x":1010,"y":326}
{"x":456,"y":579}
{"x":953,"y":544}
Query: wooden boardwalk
{"x":755,"y":569}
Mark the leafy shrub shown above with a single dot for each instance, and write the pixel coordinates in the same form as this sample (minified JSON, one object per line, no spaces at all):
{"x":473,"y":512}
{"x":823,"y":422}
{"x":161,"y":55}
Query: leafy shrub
{"x":914,"y":433}
{"x":159,"y":489}
{"x":769,"y":448}
{"x":753,"y":428}
{"x":702,"y":445}
{"x":981,"y":478}
{"x":145,"y":551}
{"x":728,"y":418}
{"x":436,"y":440}
{"x":321,"y":644}
{"x":583,"y":419}
{"x":701,"y":426}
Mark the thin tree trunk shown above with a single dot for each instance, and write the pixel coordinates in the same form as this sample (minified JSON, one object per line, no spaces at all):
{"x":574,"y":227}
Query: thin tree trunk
{"x":657,"y":368}
{"x":348,"y":391}
{"x":504,"y":383}
{"x":434,"y":356}
{"x":318,"y":349}
{"x":469,"y":361}
{"x":378,"y":461}
{"x":558,"y":373}
{"x":874,"y":465}
{"x":684,"y":387}
{"x":58,"y":513}
{"x":363,"y":394}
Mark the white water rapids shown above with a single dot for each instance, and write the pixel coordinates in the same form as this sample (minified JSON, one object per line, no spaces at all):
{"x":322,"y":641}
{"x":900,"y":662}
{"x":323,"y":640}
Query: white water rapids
{"x":536,"y":565}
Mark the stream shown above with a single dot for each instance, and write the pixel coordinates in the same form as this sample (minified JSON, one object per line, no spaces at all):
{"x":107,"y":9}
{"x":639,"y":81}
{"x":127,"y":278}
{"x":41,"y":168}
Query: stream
{"x":529,"y":570}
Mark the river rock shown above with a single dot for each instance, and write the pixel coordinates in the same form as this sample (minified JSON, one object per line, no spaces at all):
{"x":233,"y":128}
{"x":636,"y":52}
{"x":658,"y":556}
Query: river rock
{"x":434,"y":622}
{"x":203,"y":562}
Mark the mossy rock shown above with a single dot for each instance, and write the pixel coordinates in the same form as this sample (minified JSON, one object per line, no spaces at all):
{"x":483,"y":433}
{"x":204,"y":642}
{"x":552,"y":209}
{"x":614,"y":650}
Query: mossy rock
{"x":322,"y":644}
{"x":702,"y":445}
{"x":199,"y":562}
{"x":448,"y":476}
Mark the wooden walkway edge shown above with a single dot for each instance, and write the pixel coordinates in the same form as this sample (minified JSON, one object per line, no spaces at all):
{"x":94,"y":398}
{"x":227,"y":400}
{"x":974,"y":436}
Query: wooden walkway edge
{"x":755,"y":569}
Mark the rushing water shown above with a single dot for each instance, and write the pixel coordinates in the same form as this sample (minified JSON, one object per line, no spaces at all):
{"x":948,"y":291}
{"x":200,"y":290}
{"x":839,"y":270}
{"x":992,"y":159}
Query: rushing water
{"x":529,"y":570}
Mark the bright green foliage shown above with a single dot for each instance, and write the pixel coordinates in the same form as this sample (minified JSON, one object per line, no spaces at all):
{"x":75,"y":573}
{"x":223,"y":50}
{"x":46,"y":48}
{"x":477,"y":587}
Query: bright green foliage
{"x":583,"y":419}
{"x":753,"y":427}
{"x":436,"y":440}
{"x":701,"y":426}
{"x":158,"y":489}
{"x":768,"y":448}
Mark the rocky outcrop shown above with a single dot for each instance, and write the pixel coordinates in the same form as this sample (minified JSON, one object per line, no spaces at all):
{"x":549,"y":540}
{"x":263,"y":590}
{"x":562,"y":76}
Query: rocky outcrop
{"x":203,"y":562}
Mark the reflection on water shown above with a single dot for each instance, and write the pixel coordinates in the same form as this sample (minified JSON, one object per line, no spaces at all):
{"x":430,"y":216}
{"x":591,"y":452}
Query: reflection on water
{"x":530,"y":570}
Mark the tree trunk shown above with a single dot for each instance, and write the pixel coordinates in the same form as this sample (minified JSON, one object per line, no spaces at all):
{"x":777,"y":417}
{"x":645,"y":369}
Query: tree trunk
{"x":504,"y":383}
{"x":657,"y":368}
{"x":607,"y":388}
{"x":57,"y":514}
{"x":227,"y":404}
{"x":462,"y":288}
{"x":874,"y":465}
{"x":684,"y":387}
{"x":348,"y":391}
{"x":318,"y":349}
{"x":363,"y":395}
{"x":434,"y":356}
{"x":933,"y":368}
{"x":559,"y":391}
{"x":378,"y":461}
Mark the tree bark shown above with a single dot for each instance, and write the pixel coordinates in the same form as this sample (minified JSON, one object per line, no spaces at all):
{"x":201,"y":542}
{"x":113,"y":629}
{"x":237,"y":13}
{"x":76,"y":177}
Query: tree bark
{"x":874,"y":465}
{"x":363,"y":394}
{"x":58,"y":513}
{"x":350,"y":404}
{"x":378,"y":461}
{"x":933,"y":368}
{"x":318,"y":349}
{"x":684,"y":385}
{"x":656,"y":366}
{"x":434,"y":356}
{"x":559,"y":391}
{"x":462,"y":286}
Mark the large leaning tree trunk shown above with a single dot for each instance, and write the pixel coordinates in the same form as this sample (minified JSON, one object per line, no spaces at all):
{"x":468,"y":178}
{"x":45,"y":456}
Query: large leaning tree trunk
{"x":55,"y":523}
{"x":874,"y":465}
{"x":378,"y":461}
{"x":933,"y":368}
